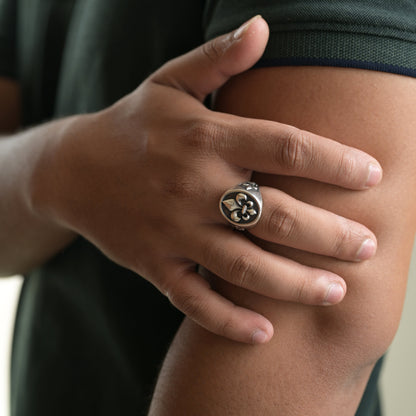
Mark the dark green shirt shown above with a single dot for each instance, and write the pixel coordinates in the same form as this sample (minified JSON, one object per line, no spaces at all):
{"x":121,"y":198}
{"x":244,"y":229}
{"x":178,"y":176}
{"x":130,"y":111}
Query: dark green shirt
{"x":90,"y":335}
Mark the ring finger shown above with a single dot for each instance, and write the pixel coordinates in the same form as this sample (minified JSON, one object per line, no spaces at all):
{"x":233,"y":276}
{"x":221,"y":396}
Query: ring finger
{"x":290,"y":222}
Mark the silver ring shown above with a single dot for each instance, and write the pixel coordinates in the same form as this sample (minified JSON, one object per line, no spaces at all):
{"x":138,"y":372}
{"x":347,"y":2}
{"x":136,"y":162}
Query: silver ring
{"x":242,"y":205}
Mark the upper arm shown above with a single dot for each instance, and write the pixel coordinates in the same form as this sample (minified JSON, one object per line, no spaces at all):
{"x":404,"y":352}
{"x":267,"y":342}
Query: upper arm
{"x":319,"y":359}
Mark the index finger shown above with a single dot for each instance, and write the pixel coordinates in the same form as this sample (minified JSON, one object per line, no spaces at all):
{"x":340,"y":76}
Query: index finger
{"x":276,"y":148}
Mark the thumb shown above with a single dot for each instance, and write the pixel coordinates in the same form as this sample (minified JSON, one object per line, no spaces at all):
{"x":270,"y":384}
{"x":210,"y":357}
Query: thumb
{"x":208,"y":67}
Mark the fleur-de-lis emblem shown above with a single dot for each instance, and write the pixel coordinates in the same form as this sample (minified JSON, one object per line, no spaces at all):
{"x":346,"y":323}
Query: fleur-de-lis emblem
{"x":240,"y":207}
{"x":250,"y":186}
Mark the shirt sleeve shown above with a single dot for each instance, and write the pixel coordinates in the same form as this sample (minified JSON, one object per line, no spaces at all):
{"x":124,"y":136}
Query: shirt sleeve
{"x":377,"y":35}
{"x":8,"y":67}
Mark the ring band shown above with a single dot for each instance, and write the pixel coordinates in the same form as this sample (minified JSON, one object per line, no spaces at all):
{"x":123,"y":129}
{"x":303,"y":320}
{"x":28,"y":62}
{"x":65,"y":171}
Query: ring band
{"x":242,"y":205}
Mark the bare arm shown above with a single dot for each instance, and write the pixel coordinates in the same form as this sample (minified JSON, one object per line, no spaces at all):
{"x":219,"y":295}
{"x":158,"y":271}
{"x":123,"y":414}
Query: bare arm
{"x":26,"y":239}
{"x":319,"y":360}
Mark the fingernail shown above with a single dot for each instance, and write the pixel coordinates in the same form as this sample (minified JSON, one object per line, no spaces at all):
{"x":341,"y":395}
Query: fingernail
{"x":367,"y":250}
{"x":335,"y":294}
{"x":374,"y":175}
{"x":238,"y":34}
{"x":259,"y":337}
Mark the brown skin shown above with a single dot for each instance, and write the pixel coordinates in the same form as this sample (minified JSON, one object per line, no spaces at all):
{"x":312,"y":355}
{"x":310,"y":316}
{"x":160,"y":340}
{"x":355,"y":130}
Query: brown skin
{"x":9,"y":105}
{"x":320,"y":359}
{"x":142,"y":179}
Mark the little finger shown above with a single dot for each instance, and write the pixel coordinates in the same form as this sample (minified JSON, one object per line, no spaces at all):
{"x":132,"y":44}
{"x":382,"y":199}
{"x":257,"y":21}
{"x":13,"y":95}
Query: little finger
{"x":191,"y":294}
{"x":236,"y":259}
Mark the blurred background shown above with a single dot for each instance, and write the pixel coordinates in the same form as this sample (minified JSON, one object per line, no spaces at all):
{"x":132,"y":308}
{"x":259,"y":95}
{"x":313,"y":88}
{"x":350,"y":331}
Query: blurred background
{"x":398,"y":378}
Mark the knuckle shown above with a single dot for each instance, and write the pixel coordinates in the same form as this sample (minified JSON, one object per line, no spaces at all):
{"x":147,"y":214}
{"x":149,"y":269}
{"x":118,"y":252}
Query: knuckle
{"x":242,"y":269}
{"x":282,"y":222}
{"x":295,"y":151}
{"x":190,"y":305}
{"x":308,"y":292}
{"x":214,"y":49}
{"x":200,"y":136}
{"x":226,"y":326}
{"x":346,"y":166}
{"x":343,"y":237}
{"x":302,"y":291}
{"x":180,"y":187}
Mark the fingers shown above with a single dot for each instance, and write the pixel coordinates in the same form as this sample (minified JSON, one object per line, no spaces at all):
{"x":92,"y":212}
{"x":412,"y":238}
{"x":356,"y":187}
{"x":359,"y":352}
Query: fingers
{"x":276,"y":148}
{"x":191,"y":294}
{"x":239,"y":261}
{"x":292,"y":223}
{"x":208,"y":67}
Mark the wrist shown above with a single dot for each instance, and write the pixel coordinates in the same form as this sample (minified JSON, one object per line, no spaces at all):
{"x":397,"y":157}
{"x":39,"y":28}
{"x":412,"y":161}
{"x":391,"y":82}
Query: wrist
{"x":51,"y":183}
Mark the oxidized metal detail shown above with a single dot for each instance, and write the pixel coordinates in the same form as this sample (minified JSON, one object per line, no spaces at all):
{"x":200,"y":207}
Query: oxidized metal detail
{"x":242,"y":205}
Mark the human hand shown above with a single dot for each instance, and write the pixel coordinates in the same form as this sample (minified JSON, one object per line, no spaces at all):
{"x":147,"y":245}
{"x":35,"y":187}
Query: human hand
{"x":142,"y":180}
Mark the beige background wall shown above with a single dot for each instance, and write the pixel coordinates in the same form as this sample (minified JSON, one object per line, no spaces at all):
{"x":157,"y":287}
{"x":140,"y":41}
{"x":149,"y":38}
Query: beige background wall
{"x":9,"y":289}
{"x":398,"y":378}
{"x":399,"y":375}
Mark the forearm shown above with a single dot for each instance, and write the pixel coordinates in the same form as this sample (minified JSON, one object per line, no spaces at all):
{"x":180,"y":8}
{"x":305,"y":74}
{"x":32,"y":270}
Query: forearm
{"x":319,"y":360}
{"x":27,"y":238}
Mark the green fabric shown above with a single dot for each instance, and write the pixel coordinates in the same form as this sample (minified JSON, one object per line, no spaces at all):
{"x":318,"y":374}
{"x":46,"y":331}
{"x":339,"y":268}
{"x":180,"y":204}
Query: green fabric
{"x":378,"y":35}
{"x":7,"y":38}
{"x":90,"y":335}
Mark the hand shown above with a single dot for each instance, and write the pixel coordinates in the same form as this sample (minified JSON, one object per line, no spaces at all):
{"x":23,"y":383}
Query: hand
{"x":142,"y":180}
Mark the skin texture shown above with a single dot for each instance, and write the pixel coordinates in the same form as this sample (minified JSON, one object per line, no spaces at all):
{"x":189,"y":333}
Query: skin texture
{"x":320,"y":359}
{"x":85,"y":175}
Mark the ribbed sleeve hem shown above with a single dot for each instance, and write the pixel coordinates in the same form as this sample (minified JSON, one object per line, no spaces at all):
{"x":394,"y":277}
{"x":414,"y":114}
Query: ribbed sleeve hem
{"x":344,"y":49}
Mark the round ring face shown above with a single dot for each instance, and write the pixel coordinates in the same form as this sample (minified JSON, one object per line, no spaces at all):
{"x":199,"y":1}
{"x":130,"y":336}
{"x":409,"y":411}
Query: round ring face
{"x":242,"y":205}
